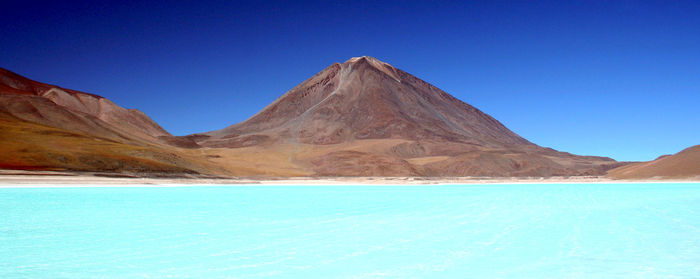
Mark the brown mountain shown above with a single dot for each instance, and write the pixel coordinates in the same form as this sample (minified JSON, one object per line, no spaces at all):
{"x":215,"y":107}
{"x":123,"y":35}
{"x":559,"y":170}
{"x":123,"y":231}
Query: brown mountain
{"x":365,"y":98}
{"x":365,"y":117}
{"x":48,"y":127}
{"x":684,"y":164}
{"x":359,"y":118}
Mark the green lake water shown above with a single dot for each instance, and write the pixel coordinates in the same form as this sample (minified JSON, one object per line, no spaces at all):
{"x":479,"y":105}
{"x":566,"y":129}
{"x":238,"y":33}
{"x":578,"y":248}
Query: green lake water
{"x":459,"y":231}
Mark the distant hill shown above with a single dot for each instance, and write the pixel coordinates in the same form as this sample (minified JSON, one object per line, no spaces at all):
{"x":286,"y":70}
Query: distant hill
{"x":684,"y":164}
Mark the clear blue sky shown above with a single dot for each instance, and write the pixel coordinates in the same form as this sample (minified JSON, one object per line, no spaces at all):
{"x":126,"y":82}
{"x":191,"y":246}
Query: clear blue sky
{"x":618,"y":79}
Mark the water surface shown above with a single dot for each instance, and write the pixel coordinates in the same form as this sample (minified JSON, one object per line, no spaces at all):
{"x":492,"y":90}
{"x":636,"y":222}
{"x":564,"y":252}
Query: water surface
{"x":461,"y":231}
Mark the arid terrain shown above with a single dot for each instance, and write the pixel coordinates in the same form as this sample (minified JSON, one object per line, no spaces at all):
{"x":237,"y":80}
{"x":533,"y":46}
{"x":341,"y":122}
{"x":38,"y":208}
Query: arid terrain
{"x":684,"y":164}
{"x":360,"y":118}
{"x":45,"y":127}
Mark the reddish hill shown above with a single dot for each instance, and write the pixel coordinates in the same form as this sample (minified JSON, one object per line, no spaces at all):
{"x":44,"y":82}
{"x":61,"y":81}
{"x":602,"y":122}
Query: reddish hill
{"x":48,"y":127}
{"x":684,"y":164}
{"x":64,"y":108}
{"x":414,"y":128}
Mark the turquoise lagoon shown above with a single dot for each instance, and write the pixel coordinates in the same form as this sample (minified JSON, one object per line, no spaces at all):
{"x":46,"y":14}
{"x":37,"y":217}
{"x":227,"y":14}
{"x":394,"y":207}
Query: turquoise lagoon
{"x":456,"y":231}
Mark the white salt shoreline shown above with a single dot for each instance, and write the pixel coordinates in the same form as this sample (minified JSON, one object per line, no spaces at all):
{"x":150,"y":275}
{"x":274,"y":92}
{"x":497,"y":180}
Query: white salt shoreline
{"x":10,"y":179}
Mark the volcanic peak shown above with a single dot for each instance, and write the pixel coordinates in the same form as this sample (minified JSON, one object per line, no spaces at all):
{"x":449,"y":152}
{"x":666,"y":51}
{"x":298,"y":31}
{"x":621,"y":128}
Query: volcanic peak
{"x":386,"y":68}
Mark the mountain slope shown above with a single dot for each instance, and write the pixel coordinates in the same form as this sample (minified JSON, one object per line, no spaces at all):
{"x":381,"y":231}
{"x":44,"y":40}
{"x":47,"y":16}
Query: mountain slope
{"x":684,"y":164}
{"x":54,"y":106}
{"x":47,"y":127}
{"x":365,"y":117}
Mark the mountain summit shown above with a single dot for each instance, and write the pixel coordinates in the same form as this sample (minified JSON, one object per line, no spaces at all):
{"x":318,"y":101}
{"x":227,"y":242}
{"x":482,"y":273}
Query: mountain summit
{"x":365,"y":117}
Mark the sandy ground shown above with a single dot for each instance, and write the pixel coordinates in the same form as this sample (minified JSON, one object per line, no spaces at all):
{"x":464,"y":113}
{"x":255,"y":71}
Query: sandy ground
{"x":13,"y":179}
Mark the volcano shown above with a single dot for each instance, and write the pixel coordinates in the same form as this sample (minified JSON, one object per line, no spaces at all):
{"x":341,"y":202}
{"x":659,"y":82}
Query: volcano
{"x":365,"y":117}
{"x":365,"y":98}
